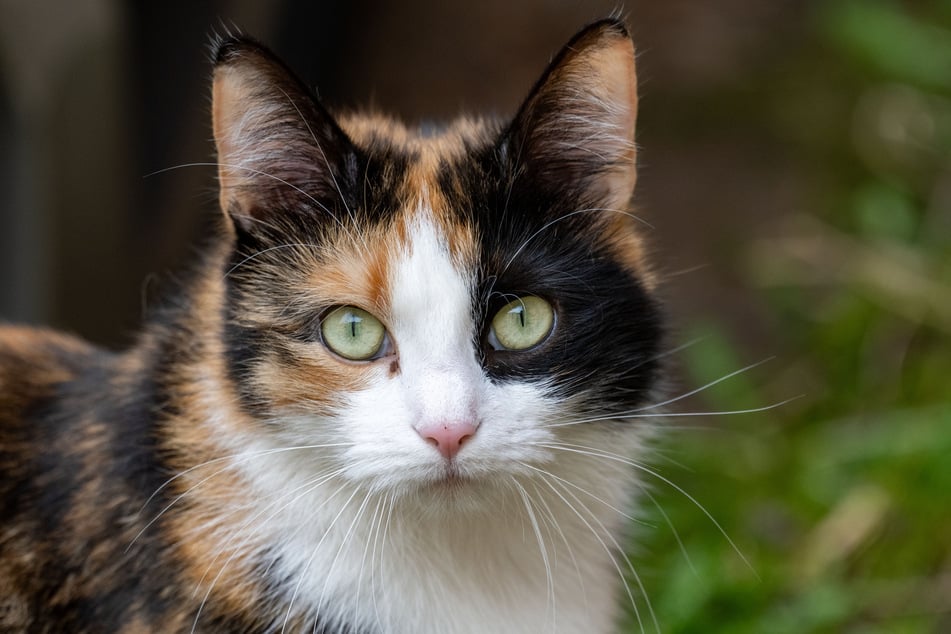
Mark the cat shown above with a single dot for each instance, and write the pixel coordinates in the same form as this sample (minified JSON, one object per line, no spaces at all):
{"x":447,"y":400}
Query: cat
{"x":402,"y":392}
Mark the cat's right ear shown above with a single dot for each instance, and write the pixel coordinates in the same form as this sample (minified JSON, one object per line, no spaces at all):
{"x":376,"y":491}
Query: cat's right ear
{"x":278,"y":149}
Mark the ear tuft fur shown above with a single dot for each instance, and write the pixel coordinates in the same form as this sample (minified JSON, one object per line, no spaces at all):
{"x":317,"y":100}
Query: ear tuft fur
{"x":574,"y":134}
{"x":278,"y":148}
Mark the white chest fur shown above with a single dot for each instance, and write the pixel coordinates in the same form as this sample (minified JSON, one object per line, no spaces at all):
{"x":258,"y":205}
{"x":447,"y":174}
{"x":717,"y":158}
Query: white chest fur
{"x":541,"y":558}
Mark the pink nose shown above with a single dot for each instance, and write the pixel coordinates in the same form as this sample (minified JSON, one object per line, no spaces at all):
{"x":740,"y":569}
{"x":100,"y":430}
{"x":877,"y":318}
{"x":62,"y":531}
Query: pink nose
{"x":447,"y":437}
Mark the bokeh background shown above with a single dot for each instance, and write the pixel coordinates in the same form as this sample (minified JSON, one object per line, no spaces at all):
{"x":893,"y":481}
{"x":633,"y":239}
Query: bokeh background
{"x":795,"y":166}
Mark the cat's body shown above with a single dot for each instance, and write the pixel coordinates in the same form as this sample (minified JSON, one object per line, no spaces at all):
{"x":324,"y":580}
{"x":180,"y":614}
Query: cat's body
{"x":394,"y":398}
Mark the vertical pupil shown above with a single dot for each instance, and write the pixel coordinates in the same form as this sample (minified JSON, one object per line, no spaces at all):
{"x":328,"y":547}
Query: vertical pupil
{"x":354,"y":320}
{"x":521,"y":316}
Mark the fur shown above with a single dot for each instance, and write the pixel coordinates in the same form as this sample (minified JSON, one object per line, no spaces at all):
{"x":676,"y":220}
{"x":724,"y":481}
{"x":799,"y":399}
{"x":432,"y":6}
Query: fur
{"x":232,"y":473}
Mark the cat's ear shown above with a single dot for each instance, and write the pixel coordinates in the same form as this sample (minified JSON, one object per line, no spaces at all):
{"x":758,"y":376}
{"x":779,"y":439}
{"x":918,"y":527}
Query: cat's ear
{"x":574,"y":134}
{"x":278,"y":148}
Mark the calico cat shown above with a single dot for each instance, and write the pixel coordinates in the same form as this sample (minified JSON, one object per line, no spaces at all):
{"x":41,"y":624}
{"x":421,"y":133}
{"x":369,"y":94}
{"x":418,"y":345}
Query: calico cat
{"x":399,"y":394}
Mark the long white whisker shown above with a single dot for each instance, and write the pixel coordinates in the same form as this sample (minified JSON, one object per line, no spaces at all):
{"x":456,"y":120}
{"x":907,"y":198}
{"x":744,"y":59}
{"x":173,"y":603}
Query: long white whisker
{"x":237,"y":458}
{"x":311,"y":485}
{"x":541,"y":545}
{"x":604,"y":545}
{"x":386,"y":531}
{"x":560,"y":219}
{"x":552,"y":521}
{"x":371,"y":540}
{"x":320,"y":148}
{"x":710,"y":384}
{"x":672,"y":351}
{"x":619,"y":417}
{"x":676,"y":533}
{"x":565,"y":482}
{"x":306,"y":488}
{"x":651,"y":406}
{"x":313,"y":554}
{"x":242,"y":455}
{"x":257,"y":254}
{"x":384,"y":511}
{"x":258,"y":173}
{"x":601,"y":453}
{"x":343,"y":543}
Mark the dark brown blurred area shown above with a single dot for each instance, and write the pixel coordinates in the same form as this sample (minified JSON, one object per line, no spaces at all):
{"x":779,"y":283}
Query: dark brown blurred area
{"x":104,"y":105}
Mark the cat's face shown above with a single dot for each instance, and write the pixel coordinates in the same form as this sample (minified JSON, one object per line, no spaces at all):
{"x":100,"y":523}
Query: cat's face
{"x":440,"y":310}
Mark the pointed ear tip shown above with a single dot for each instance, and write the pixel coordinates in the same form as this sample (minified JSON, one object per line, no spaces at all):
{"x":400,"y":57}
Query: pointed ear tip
{"x":228,"y":49}
{"x":615,"y":26}
{"x":607,"y":45}
{"x":612,"y":28}
{"x":616,"y":35}
{"x":607,"y":35}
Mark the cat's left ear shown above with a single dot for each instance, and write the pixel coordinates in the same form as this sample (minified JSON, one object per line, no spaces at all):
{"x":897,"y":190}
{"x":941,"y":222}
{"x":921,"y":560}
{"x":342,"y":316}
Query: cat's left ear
{"x":574,"y":134}
{"x":278,"y":148}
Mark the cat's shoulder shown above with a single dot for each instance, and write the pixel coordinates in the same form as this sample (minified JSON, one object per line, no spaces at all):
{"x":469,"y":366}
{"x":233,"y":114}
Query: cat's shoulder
{"x":42,"y":347}
{"x":33,"y":360}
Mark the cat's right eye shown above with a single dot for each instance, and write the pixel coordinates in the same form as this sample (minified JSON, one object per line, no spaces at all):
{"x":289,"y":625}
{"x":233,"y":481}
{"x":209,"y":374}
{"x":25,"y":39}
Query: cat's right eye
{"x":353,"y":333}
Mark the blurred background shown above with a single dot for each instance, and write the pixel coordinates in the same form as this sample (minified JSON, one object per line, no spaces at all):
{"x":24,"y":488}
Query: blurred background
{"x":795,"y":166}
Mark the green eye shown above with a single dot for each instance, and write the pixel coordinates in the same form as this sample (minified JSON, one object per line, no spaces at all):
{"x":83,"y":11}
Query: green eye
{"x":522,"y":324}
{"x":353,"y":333}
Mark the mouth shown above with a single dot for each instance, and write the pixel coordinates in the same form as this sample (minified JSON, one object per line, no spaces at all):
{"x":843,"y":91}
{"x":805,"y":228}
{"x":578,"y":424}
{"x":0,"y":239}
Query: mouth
{"x":455,"y":491}
{"x":451,"y":475}
{"x":450,"y":479}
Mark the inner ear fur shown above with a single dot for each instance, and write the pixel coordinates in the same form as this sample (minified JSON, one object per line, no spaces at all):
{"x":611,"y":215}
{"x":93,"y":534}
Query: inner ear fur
{"x":277,"y":146}
{"x":575,"y":132}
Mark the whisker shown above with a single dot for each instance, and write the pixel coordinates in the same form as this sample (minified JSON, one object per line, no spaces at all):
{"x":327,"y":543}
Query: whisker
{"x":686,"y":271}
{"x":237,"y":457}
{"x":680,"y":348}
{"x":561,"y":218}
{"x":343,"y":544}
{"x":619,"y":417}
{"x":681,"y":396}
{"x":626,"y":516}
{"x":711,"y":383}
{"x":311,"y":485}
{"x":306,"y":488}
{"x":601,"y":453}
{"x":242,"y":455}
{"x":605,"y":546}
{"x":320,"y":148}
{"x":676,"y":533}
{"x":552,"y":521}
{"x":313,"y":554}
{"x":371,"y":537}
{"x":256,"y":172}
{"x":257,"y":254}
{"x":385,"y":510}
{"x":541,"y":544}
{"x":386,"y":531}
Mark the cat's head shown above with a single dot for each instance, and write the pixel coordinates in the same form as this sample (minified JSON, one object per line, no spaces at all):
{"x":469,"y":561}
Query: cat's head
{"x":437,"y":308}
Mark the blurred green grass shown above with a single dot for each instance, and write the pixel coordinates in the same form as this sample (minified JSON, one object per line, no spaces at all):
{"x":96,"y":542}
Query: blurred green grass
{"x":840,"y":499}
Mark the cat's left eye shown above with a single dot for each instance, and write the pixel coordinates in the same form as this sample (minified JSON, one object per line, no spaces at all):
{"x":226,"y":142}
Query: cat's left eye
{"x":353,"y":333}
{"x":522,"y":324}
